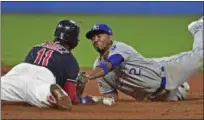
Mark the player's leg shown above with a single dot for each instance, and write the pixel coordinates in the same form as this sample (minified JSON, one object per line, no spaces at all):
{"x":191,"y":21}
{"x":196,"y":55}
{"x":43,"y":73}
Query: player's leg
{"x":17,"y":83}
{"x":31,"y":84}
{"x":37,"y":93}
{"x":181,"y":92}
{"x":165,"y":59}
{"x":196,"y":29}
{"x":42,"y":86}
{"x":12,"y":84}
{"x":179,"y":70}
{"x":48,"y":95}
{"x":188,"y":63}
{"x":11,"y":88}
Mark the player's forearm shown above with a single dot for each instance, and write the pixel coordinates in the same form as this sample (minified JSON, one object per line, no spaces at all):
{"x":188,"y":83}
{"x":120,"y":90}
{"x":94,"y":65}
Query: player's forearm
{"x":100,"y":70}
{"x":70,"y":89}
{"x":104,"y":67}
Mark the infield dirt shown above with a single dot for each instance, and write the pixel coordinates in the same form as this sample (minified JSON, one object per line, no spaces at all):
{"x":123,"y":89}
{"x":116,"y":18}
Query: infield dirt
{"x":125,"y":108}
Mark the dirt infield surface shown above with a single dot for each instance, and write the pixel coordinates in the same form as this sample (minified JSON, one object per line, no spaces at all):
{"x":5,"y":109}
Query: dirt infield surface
{"x":126,"y":108}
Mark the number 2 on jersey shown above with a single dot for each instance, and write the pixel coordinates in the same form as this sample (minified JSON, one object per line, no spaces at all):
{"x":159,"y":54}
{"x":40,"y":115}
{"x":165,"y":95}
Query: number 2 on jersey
{"x":46,"y":58}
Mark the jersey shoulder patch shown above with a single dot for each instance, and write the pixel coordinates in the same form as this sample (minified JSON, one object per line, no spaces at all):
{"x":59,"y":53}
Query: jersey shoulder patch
{"x":113,"y":47}
{"x":116,"y":46}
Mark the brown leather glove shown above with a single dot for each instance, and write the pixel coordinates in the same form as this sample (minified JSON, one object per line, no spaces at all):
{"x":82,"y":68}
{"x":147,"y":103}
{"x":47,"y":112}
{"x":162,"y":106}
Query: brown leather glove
{"x":81,"y":82}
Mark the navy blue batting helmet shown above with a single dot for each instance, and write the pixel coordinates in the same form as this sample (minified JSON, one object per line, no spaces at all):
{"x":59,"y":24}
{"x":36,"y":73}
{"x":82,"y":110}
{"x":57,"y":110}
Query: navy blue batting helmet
{"x":68,"y":32}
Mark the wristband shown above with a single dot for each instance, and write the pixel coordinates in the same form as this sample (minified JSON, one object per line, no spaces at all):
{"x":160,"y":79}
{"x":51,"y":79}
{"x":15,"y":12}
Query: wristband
{"x":104,"y":67}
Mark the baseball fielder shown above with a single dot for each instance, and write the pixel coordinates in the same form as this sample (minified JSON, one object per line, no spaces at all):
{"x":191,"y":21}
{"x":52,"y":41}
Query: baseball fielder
{"x":48,"y":75}
{"x":120,"y":67}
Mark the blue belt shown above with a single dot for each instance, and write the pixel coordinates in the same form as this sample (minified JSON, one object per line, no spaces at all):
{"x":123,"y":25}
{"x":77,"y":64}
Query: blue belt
{"x":154,"y":96}
{"x":163,"y":78}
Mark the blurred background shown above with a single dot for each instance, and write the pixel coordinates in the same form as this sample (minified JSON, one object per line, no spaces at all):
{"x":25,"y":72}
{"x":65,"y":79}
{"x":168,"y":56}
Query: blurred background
{"x":154,"y":29}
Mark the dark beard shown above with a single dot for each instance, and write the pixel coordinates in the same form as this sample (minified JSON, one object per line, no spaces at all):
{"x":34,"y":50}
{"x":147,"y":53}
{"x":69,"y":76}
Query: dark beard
{"x":102,"y":51}
{"x":99,"y":50}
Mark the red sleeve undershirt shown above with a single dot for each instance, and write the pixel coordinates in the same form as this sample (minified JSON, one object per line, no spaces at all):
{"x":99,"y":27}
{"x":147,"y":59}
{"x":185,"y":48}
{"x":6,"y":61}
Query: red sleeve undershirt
{"x":70,"y":89}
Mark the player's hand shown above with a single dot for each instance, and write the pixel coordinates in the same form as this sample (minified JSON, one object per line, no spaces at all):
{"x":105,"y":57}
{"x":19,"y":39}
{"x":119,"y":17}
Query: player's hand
{"x":89,"y":99}
{"x":81,"y":82}
{"x":87,"y":76}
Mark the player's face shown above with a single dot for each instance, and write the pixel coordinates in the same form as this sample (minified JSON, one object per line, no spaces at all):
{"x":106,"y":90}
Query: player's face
{"x":101,"y":41}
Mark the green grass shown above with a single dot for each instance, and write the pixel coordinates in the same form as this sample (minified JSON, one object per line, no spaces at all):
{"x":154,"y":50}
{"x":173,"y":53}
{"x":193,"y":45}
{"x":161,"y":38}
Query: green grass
{"x":153,"y":36}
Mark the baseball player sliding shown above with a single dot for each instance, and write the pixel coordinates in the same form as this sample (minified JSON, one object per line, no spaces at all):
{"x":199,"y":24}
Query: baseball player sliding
{"x":120,"y":67}
{"x":48,"y":76}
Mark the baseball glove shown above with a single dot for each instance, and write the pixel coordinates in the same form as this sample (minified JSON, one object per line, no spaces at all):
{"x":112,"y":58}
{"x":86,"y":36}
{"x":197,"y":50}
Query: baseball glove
{"x":81,"y":82}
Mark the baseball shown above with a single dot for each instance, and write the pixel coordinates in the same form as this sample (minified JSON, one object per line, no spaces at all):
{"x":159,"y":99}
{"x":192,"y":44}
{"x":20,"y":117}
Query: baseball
{"x":108,"y":101}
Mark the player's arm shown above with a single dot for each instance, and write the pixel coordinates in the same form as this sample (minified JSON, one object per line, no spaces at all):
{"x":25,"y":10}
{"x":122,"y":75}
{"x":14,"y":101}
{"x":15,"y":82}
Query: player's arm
{"x":106,"y":89}
{"x":106,"y":66}
{"x":71,"y":73}
{"x":70,"y":89}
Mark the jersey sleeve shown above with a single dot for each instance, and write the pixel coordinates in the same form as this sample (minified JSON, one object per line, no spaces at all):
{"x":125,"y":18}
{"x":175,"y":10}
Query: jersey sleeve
{"x":122,"y":49}
{"x":106,"y":84}
{"x":30,"y":56}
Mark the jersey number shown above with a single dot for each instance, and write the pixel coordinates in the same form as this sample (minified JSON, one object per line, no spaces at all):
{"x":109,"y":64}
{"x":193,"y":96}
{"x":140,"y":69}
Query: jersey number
{"x":44,"y":59}
{"x":135,"y":71}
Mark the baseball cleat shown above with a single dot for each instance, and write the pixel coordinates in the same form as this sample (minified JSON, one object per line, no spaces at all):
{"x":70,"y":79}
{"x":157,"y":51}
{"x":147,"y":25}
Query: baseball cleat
{"x":63,"y":101}
{"x":195,"y":26}
{"x":186,"y":86}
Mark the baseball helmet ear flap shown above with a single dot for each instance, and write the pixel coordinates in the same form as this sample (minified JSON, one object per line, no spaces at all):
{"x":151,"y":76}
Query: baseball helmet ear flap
{"x":68,"y":32}
{"x":60,"y":33}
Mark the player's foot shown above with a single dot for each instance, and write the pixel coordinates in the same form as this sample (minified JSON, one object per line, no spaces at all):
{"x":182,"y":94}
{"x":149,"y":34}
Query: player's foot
{"x":183,"y":91}
{"x":63,"y":101}
{"x":186,"y":86}
{"x":195,"y":26}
